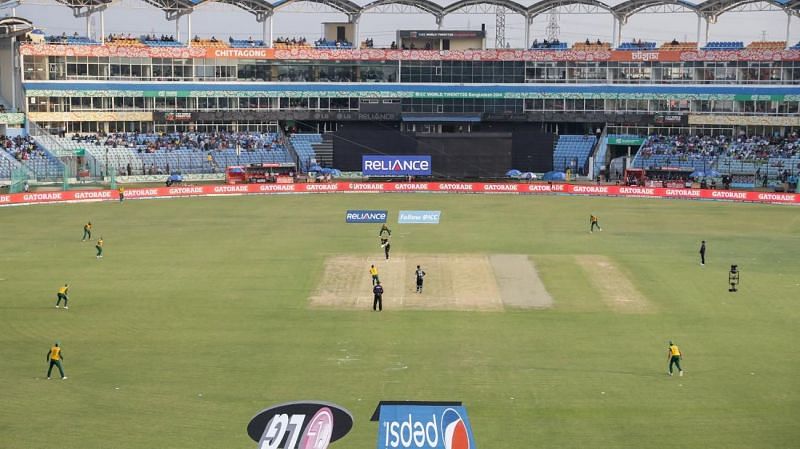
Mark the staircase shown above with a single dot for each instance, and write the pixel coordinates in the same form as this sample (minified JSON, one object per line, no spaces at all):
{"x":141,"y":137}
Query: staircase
{"x":324,"y":150}
{"x":290,"y":147}
{"x":8,"y":165}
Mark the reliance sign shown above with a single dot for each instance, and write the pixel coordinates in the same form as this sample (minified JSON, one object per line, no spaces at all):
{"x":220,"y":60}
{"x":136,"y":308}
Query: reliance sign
{"x":373,"y":165}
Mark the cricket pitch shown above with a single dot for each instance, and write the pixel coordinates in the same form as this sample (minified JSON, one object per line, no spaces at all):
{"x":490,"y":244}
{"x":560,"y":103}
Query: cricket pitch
{"x":453,"y":282}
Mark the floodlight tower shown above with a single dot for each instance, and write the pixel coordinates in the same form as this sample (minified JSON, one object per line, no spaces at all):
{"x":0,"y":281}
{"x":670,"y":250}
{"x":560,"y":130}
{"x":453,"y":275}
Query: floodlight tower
{"x":553,"y":28}
{"x":500,"y":27}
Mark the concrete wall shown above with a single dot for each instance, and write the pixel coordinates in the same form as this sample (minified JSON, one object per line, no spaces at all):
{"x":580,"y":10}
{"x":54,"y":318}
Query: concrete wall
{"x":10,"y":88}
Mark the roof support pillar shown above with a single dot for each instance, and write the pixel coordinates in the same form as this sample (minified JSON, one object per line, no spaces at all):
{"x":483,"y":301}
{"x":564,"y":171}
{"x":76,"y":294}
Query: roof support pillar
{"x":788,"y":26}
{"x":89,"y":26}
{"x":619,"y":32}
{"x":613,"y":31}
{"x":265,"y":18}
{"x":528,"y":20}
{"x":102,"y":27}
{"x":178,"y":29}
{"x":708,"y":25}
{"x":86,"y":11}
{"x":354,"y":19}
{"x":699,"y":18}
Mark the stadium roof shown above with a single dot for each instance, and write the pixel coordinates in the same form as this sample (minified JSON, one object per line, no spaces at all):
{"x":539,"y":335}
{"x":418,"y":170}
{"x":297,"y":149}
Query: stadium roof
{"x":261,"y":8}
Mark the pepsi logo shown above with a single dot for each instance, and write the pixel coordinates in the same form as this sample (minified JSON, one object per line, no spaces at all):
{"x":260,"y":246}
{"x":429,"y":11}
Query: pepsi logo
{"x":423,"y":425}
{"x":454,"y":430}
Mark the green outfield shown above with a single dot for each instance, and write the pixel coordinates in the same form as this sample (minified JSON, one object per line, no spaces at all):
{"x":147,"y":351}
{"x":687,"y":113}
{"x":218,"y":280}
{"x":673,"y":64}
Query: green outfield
{"x":199,"y":316}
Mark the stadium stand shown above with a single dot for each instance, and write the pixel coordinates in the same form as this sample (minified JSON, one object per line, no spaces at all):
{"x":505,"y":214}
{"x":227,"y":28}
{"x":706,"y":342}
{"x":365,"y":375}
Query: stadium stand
{"x":71,"y":40}
{"x":679,"y":46}
{"x":188,"y":153}
{"x":796,"y":46}
{"x":591,"y":46}
{"x":302,"y":144}
{"x":124,"y":41}
{"x":738,"y":45}
{"x":637,"y":45}
{"x":545,"y":45}
{"x":208,"y":43}
{"x":572,"y":151}
{"x":282,"y":42}
{"x":760,"y":158}
{"x":37,"y":159}
{"x":324,"y":43}
{"x":685,"y":152}
{"x":161,"y":43}
{"x":245,"y":43}
{"x":767,"y":45}
{"x":8,"y":163}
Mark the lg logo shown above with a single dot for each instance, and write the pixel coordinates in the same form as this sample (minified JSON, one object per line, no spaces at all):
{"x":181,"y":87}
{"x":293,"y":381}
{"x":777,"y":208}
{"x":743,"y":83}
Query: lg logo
{"x":288,"y":426}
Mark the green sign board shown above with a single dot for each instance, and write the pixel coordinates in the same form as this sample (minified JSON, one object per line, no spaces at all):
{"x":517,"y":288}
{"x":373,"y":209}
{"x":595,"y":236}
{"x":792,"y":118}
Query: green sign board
{"x":744,"y":97}
{"x":166,"y":93}
{"x":80,"y":152}
{"x":629,"y":141}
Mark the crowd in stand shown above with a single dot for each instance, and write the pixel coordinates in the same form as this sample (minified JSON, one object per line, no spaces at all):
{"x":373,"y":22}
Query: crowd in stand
{"x":150,"y":143}
{"x":758,"y":148}
{"x":545,"y":44}
{"x":120,"y":37}
{"x":22,"y":148}
{"x":744,"y":148}
{"x":63,"y":39}
{"x":213,"y":39}
{"x":634,"y":43}
{"x":684,"y":147}
{"x":301,"y":42}
{"x":162,"y":38}
{"x":325,"y":43}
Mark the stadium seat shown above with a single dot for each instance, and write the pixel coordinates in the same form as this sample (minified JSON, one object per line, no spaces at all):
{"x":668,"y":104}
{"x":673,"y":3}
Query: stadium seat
{"x":572,"y":151}
{"x":738,"y":45}
{"x":302,"y":144}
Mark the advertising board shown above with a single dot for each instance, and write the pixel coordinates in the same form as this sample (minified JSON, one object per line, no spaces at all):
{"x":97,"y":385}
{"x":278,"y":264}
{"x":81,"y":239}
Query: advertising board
{"x":379,"y":165}
{"x":419,"y":216}
{"x":366,"y":216}
{"x":424,"y":425}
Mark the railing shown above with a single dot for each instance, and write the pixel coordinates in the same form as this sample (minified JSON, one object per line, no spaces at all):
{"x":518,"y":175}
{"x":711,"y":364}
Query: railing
{"x":290,"y":146}
{"x":76,"y":165}
{"x":600,"y":152}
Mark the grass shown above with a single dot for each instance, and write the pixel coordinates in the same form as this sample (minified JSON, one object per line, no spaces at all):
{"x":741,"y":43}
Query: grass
{"x":196,"y":319}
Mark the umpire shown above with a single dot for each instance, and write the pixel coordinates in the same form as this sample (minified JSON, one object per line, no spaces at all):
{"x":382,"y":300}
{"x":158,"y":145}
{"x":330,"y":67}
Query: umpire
{"x":377,"y":302}
{"x":386,"y":247}
{"x":419,"y":274}
{"x":703,"y":253}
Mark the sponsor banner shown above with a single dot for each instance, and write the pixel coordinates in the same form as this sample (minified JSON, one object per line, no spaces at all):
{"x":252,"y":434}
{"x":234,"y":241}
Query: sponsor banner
{"x":412,"y":187}
{"x":743,"y":120}
{"x":419,"y":216}
{"x":630,"y":141}
{"x":461,"y":187}
{"x":366,"y":216}
{"x":376,"y":165}
{"x":12,"y":118}
{"x":380,"y":54}
{"x":92,"y":116}
{"x":424,"y":426}
{"x":300,"y":425}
